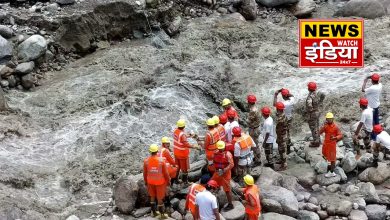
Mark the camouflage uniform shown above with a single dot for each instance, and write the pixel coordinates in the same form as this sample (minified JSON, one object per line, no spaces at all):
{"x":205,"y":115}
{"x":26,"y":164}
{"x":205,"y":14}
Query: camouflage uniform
{"x":282,"y":138}
{"x":254,"y":131}
{"x":312,"y":110}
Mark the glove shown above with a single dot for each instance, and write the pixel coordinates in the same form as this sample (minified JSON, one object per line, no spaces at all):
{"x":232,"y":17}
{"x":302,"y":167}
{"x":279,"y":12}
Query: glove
{"x":221,"y":172}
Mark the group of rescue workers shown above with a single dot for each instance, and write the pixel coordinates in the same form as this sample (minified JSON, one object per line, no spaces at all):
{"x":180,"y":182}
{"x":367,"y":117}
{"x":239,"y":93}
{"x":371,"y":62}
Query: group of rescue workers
{"x":231,"y":152}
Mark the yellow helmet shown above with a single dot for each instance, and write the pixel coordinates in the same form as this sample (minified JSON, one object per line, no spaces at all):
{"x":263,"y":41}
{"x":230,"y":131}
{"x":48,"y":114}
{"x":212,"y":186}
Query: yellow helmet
{"x":220,"y":145}
{"x":248,"y":179}
{"x":153,"y":148}
{"x":165,"y":140}
{"x":210,"y":122}
{"x":181,"y":123}
{"x":216,"y":119}
{"x":329,"y":115}
{"x":226,"y":102}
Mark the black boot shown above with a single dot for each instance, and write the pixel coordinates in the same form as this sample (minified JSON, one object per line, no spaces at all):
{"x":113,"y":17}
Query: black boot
{"x":185,"y":178}
{"x":161,"y":209}
{"x":375,"y":162}
{"x":154,"y":209}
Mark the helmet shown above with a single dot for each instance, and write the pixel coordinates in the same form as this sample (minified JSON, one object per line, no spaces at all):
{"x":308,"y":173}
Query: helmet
{"x":248,"y":179}
{"x":210,"y":122}
{"x":312,"y":86}
{"x":231,"y":113}
{"x":285,"y":92}
{"x":213,"y":184}
{"x":165,"y":140}
{"x":377,"y":128}
{"x":375,"y":77}
{"x":216,"y":119}
{"x":220,"y":145}
{"x":279,"y":106}
{"x":329,"y":115}
{"x":153,"y":148}
{"x":226,"y":102}
{"x":266,"y":111}
{"x":363,"y":101}
{"x":251,"y":99}
{"x":236,"y":131}
{"x":223,"y":119}
{"x":181,"y":123}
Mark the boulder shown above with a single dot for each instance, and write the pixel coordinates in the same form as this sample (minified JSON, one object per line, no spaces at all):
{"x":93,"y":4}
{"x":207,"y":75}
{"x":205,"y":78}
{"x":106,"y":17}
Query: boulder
{"x":351,"y":189}
{"x":284,"y":196}
{"x":6,"y":32}
{"x":304,"y":172}
{"x":24,"y":68}
{"x":303,"y":8}
{"x":344,"y":208}
{"x":198,"y":165}
{"x":376,"y":212}
{"x":188,"y":216}
{"x":5,"y":49}
{"x":72,"y":217}
{"x":362,"y":8}
{"x":357,"y":215}
{"x":322,"y":214}
{"x":4,"y":83}
{"x":369,"y":192}
{"x":275,"y":216}
{"x":157,"y":42}
{"x":32,"y":48}
{"x":256,"y":172}
{"x":307,"y":215}
{"x":238,"y":213}
{"x":325,"y":181}
{"x":270,"y":205}
{"x":291,"y":183}
{"x":313,"y":200}
{"x":300,"y":197}
{"x":333,"y":188}
{"x":125,"y":194}
{"x":340,"y":171}
{"x":176,"y":215}
{"x":65,"y":2}
{"x":321,"y":166}
{"x":349,"y":162}
{"x":365,"y":160}
{"x":142,"y":196}
{"x":27,"y":81}
{"x":361,"y":203}
{"x":273,"y":3}
{"x":182,"y":206}
{"x":312,"y":208}
{"x":175,"y":26}
{"x":142,"y":212}
{"x":269,"y":177}
{"x":384,"y":196}
{"x":248,"y":9}
{"x":375,"y":175}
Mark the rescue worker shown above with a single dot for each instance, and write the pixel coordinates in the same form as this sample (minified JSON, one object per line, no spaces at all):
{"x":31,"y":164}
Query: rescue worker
{"x":252,"y":199}
{"x":157,"y":178}
{"x":281,"y":133}
{"x":223,"y":119}
{"x":220,"y":128}
{"x":211,"y":138}
{"x":223,"y":164}
{"x":227,"y":105}
{"x":332,"y":136}
{"x":165,"y":153}
{"x":253,"y":125}
{"x":288,"y":101}
{"x":364,"y":128}
{"x":267,"y":131}
{"x":181,"y":150}
{"x":232,"y":122}
{"x":243,"y":154}
{"x":206,"y":202}
{"x":382,"y":140}
{"x":195,"y":189}
{"x":312,"y":110}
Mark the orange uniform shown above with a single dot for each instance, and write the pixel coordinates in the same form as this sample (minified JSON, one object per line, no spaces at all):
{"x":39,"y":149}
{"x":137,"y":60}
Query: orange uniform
{"x":253,"y":206}
{"x":181,"y":150}
{"x":190,"y":200}
{"x":222,"y":132}
{"x":211,"y":138}
{"x":170,"y":162}
{"x":223,"y":160}
{"x":329,"y":146}
{"x":156,"y":176}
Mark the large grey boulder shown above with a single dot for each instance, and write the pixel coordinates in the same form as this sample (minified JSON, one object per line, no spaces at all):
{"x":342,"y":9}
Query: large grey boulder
{"x":344,"y":208}
{"x":376,"y":212}
{"x":357,"y":215}
{"x":27,"y":81}
{"x":304,"y":172}
{"x":238,"y":213}
{"x":248,"y":9}
{"x":275,"y":216}
{"x":340,"y":171}
{"x":284,"y":196}
{"x":269,"y":177}
{"x":369,"y":192}
{"x":6,"y":32}
{"x":5,"y":48}
{"x":273,"y":3}
{"x":32,"y":48}
{"x":307,"y":215}
{"x":365,"y":161}
{"x":349,"y":162}
{"x":125,"y":194}
{"x":270,"y":205}
{"x":24,"y":68}
{"x":375,"y":175}
{"x":303,"y":8}
{"x":326,"y":181}
{"x":362,"y":8}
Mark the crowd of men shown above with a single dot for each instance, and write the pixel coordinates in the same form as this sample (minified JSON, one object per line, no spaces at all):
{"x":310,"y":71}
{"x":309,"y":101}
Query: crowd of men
{"x":231,"y":152}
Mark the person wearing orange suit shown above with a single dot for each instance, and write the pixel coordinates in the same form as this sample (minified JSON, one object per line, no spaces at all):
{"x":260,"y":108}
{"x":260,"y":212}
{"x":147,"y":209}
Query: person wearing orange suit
{"x":210,"y":141}
{"x":220,"y":128}
{"x":252,"y":199}
{"x":165,"y":152}
{"x":195,"y":188}
{"x":332,"y":136}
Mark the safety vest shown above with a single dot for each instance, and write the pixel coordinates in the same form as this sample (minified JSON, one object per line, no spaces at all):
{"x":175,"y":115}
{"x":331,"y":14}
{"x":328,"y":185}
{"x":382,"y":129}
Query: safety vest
{"x":245,"y":141}
{"x":221,"y":160}
{"x":179,"y":150}
{"x":222,"y":132}
{"x":253,"y":192}
{"x":214,"y":135}
{"x":195,"y":189}
{"x":155,"y":174}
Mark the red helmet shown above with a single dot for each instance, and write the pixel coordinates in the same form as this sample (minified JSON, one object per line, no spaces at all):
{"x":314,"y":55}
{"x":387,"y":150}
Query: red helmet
{"x":279,"y":106}
{"x":231,"y":113}
{"x":251,"y":99}
{"x":212,"y":184}
{"x":377,"y":128}
{"x":363,"y":101}
{"x":223,"y":119}
{"x":375,"y":77}
{"x":236,"y":131}
{"x":285,"y":92}
{"x":312,"y":86}
{"x":266,"y":111}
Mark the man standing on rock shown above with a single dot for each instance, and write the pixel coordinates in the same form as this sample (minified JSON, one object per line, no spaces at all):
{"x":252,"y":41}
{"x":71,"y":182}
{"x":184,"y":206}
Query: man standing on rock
{"x":194,"y":190}
{"x":281,"y":133}
{"x":206,"y":202}
{"x":165,"y":153}
{"x":211,"y":138}
{"x":312,"y":110}
{"x":364,"y":128}
{"x":373,"y":94}
{"x":223,"y":164}
{"x":288,"y":101}
{"x":332,"y":136}
{"x":227,"y":105}
{"x":220,"y":128}
{"x":253,"y":126}
{"x":157,"y":179}
{"x":243,"y":151}
{"x":267,"y":131}
{"x":382,"y":140}
{"x":181,"y":150}
{"x":252,"y":199}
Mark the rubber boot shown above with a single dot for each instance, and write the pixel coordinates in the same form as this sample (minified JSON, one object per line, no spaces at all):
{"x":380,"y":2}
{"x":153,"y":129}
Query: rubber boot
{"x":185,"y":178}
{"x":161,"y":209}
{"x":375,"y":162}
{"x":154,"y":209}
